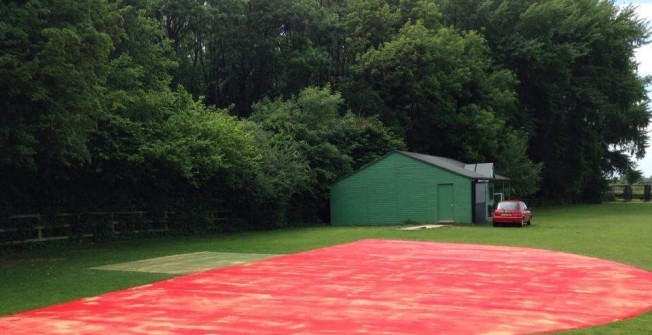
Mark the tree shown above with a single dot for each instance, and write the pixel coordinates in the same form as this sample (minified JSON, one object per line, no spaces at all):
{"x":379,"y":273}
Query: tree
{"x":584,"y":103}
{"x":369,"y":24}
{"x":633,"y":176}
{"x":545,"y":89}
{"x":331,"y":144}
{"x":53,"y":66}
{"x":237,"y":52}
{"x":438,"y":89}
{"x":87,"y":90}
{"x":512,"y":161}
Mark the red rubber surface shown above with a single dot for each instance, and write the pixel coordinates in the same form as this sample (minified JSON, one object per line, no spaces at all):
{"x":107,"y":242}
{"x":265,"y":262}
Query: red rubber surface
{"x":368,"y":287}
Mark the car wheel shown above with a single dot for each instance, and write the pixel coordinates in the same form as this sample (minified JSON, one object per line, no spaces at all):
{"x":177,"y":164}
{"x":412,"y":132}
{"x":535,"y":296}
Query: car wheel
{"x":529,"y":221}
{"x":522,"y":222}
{"x":495,"y":224}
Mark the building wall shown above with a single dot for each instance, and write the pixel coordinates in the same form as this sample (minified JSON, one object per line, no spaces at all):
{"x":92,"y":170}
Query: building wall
{"x":394,"y":189}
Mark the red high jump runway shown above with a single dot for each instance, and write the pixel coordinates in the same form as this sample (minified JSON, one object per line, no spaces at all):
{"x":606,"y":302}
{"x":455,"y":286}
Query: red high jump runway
{"x":367,"y":287}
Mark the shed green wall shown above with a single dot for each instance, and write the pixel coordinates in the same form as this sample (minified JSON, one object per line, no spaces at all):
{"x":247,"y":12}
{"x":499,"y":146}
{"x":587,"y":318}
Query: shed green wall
{"x":394,"y":189}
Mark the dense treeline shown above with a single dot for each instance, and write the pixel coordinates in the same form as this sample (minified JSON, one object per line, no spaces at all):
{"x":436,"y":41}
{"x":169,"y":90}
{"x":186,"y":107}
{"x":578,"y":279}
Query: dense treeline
{"x":256,"y":106}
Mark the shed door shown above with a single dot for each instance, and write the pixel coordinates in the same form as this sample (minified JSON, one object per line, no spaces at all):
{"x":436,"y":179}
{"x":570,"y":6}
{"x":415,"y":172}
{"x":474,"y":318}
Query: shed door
{"x":480,"y":209}
{"x":446,"y":204}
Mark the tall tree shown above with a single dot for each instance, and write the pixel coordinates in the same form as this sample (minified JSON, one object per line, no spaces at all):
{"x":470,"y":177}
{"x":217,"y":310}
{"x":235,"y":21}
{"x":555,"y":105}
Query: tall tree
{"x":54,"y":61}
{"x":54,"y":65}
{"x":438,"y":89}
{"x":237,"y":52}
{"x":577,"y":84}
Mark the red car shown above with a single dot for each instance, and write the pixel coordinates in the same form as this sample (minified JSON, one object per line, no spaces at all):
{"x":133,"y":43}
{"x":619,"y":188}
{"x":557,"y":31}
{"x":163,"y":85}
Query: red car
{"x":513,"y":212}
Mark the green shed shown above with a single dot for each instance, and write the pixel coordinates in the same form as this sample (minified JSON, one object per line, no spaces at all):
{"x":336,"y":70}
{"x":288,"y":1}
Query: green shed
{"x":405,"y":186}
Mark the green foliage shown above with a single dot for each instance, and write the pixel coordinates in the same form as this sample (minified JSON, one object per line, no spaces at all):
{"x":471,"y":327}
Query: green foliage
{"x":312,"y":120}
{"x":149,"y":145}
{"x":512,"y":161}
{"x":198,"y":143}
{"x":584,"y":104}
{"x":371,"y":23}
{"x":127,"y":104}
{"x":238,"y":52}
{"x":367,"y":139}
{"x":284,"y":172}
{"x":325,"y":144}
{"x":53,"y":67}
{"x":437,"y":88}
{"x":633,"y":177}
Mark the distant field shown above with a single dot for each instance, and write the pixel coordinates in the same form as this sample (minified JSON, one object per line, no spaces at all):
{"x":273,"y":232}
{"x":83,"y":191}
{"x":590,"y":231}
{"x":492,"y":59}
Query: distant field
{"x":616,"y":231}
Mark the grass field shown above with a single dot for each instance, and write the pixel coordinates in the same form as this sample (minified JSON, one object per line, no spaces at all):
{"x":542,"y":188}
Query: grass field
{"x":617,"y":231}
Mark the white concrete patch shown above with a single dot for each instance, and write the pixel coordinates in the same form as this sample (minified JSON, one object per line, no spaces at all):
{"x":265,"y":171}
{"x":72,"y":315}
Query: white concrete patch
{"x":427,"y":226}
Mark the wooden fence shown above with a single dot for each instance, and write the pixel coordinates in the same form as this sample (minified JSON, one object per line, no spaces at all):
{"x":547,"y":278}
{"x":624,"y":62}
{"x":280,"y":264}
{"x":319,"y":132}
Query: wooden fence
{"x":640,"y":192}
{"x":28,"y":228}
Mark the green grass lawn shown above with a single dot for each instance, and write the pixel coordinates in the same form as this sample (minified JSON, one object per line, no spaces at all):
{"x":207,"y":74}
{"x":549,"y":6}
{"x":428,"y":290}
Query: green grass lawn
{"x":617,"y":231}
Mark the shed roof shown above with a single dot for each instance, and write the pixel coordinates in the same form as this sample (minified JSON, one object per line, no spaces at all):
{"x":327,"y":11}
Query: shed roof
{"x":499,"y":177}
{"x":473,"y":171}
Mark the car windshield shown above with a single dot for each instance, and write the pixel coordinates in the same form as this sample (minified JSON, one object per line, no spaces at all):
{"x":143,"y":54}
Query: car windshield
{"x":508,"y":205}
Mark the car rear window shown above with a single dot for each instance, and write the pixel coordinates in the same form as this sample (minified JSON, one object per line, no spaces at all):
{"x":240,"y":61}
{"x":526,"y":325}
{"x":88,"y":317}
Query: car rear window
{"x":508,"y":205}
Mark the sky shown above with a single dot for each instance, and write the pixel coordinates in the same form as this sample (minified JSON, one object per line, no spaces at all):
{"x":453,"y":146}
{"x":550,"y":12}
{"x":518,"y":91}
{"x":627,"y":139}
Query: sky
{"x":644,"y":59}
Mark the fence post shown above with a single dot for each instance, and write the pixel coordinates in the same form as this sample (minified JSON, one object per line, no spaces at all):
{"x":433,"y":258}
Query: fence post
{"x":39,"y":228}
{"x":627,"y":193}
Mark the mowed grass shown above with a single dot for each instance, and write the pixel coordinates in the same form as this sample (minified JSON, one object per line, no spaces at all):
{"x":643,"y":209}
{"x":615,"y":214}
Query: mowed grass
{"x":620,"y":232}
